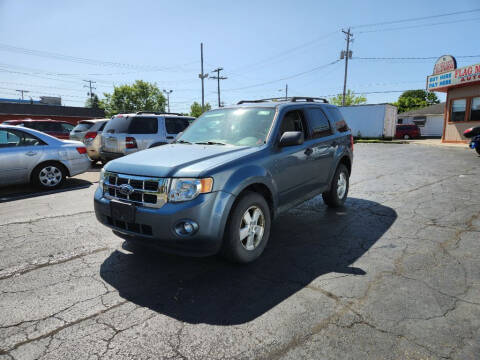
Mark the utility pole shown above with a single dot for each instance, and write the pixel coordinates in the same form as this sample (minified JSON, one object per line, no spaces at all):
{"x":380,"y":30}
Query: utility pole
{"x":202,"y":76}
{"x":218,"y":78}
{"x":348,"y":55}
{"x":22,"y":92}
{"x":286,"y":91}
{"x":168,"y":92}
{"x":91,"y":88}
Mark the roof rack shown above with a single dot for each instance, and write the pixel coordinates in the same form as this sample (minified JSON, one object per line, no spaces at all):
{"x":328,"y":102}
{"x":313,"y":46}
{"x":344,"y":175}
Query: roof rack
{"x":157,"y":113}
{"x":283,"y":99}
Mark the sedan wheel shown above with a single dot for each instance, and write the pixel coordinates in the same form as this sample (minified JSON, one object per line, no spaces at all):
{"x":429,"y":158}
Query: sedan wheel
{"x":49,"y":175}
{"x":406,"y":137}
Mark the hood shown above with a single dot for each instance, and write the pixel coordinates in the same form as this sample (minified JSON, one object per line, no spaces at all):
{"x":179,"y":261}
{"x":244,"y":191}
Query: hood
{"x":177,"y":160}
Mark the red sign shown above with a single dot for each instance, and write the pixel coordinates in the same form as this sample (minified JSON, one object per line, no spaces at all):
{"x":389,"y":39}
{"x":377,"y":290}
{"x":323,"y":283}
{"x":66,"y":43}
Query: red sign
{"x":444,"y":63}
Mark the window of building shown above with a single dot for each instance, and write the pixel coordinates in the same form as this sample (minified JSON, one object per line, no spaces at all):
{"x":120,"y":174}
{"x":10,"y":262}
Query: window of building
{"x":400,"y":121}
{"x":420,"y":120}
{"x":475,"y":109}
{"x":459,"y":107}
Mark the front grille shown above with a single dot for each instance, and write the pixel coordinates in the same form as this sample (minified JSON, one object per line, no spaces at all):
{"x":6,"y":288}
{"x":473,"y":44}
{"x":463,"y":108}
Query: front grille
{"x":143,"y":191}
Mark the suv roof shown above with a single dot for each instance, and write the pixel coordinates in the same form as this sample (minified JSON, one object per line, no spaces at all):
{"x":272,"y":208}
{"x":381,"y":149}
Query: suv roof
{"x":276,"y":102}
{"x":35,"y":120}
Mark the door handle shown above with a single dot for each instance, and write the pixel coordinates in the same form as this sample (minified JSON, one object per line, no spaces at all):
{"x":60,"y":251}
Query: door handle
{"x":31,"y":153}
{"x":170,"y":137}
{"x":308,"y":151}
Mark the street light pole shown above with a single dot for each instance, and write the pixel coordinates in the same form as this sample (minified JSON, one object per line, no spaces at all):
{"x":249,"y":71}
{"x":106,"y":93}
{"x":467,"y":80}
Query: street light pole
{"x":168,"y":92}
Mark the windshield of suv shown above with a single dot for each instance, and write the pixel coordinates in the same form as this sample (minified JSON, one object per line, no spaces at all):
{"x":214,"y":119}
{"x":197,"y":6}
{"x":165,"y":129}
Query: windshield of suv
{"x":238,"y":127}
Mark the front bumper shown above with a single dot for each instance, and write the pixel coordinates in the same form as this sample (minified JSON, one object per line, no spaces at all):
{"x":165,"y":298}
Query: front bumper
{"x":155,"y":227}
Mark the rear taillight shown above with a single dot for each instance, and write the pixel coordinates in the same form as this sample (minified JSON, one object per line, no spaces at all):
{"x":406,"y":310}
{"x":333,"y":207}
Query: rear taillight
{"x":91,"y":135}
{"x":468,"y":131}
{"x":351,"y":142}
{"x":82,"y":150}
{"x":130,"y":143}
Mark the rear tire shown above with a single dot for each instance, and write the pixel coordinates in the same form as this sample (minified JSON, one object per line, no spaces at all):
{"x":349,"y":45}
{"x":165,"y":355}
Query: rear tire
{"x":337,"y":194}
{"x":406,"y":137}
{"x":49,"y":175}
{"x":248,"y":229}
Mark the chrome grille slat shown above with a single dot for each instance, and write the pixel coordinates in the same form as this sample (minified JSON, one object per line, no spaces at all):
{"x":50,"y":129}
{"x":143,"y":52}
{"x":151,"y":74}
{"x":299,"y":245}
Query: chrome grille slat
{"x":139,"y":189}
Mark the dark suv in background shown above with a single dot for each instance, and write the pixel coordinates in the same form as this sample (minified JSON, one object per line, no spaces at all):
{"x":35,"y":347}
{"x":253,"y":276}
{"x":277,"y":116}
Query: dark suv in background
{"x":56,"y":128}
{"x":232,"y":171}
{"x":407,"y":131}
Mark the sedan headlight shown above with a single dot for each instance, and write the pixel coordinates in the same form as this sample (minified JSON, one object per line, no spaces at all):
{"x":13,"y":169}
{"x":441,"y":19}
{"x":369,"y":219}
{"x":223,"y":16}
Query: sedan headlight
{"x":188,"y":189}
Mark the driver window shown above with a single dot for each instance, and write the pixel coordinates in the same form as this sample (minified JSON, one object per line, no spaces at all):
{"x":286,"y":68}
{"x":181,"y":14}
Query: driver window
{"x":293,"y":121}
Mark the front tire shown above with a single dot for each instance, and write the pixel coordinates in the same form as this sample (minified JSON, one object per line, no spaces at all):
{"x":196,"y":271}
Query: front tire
{"x":49,"y":175}
{"x":337,"y":194}
{"x":248,"y":229}
{"x":406,"y":137}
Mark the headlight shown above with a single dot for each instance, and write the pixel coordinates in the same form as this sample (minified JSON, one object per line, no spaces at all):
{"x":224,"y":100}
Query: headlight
{"x":102,"y":178}
{"x":188,"y":189}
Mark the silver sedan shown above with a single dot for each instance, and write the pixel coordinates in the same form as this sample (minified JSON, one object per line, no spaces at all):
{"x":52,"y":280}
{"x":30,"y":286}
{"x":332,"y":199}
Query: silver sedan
{"x":30,"y":156}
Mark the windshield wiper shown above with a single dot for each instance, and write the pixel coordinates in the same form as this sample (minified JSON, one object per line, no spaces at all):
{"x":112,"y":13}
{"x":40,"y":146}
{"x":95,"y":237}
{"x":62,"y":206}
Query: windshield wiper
{"x":209,"y":143}
{"x":183,"y":142}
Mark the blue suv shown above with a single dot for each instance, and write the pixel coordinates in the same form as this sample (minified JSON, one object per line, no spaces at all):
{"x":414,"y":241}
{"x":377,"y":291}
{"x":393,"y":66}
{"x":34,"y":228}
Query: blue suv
{"x":220,"y":185}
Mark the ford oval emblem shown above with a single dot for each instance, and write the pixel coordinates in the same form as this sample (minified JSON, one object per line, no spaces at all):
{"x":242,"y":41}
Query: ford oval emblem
{"x":126,"y":189}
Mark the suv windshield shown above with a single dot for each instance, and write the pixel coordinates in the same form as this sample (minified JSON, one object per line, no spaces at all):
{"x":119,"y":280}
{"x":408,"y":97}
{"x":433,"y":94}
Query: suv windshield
{"x":239,"y":127}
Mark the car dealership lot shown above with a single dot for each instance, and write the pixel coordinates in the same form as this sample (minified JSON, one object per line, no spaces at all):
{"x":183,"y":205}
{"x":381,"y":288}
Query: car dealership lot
{"x":395,"y":275}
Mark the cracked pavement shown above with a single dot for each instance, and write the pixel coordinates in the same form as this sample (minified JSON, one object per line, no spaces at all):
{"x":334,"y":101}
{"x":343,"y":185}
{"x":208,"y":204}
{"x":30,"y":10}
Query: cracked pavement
{"x":395,"y":274}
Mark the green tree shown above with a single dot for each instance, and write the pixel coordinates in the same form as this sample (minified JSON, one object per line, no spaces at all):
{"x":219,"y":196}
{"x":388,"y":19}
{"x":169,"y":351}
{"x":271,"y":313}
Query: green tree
{"x":350,"y":99}
{"x":140,"y":96}
{"x":196,"y":109}
{"x":93,"y":102}
{"x":415,"y":99}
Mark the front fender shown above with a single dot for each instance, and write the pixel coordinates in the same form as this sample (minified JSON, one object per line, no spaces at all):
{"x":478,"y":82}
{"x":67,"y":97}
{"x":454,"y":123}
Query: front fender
{"x":245,"y":176}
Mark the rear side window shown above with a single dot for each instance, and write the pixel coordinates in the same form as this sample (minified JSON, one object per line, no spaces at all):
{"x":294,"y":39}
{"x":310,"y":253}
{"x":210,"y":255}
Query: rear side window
{"x":176,"y":125}
{"x":118,"y":125}
{"x":318,"y":122}
{"x":143,"y":125}
{"x":48,"y":126}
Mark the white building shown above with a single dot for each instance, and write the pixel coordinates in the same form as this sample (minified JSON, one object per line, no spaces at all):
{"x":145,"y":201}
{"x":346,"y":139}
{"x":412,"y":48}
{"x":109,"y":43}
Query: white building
{"x":429,"y":119}
{"x":371,"y":121}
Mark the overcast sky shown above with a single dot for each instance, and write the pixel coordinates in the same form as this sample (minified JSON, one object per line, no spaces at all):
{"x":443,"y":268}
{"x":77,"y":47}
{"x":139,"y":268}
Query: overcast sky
{"x":258,"y":43}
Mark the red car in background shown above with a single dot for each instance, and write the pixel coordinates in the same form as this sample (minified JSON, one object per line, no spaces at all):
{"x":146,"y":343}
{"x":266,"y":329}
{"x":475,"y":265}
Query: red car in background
{"x":58,"y":129}
{"x":410,"y":131}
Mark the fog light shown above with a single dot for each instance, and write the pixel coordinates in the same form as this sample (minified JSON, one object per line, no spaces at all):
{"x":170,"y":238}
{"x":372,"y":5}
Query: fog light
{"x":186,"y":227}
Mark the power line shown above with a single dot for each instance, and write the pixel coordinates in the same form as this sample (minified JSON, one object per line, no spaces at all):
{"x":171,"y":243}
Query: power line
{"x":168,"y":92}
{"x":417,"y":26}
{"x":410,"y":58}
{"x":416,"y":18}
{"x":91,"y":87}
{"x":22,"y":92}
{"x":50,"y":55}
{"x":287,"y":77}
{"x":347,"y":54}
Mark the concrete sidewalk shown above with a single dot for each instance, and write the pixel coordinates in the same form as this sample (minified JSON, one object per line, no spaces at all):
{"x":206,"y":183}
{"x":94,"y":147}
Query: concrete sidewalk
{"x":437,"y":142}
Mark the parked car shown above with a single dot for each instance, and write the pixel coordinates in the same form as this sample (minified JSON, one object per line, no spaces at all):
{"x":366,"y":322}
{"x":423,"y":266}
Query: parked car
{"x":222,"y":182}
{"x":128,"y":133}
{"x":58,"y":129}
{"x":89,"y":132}
{"x":31,"y":156}
{"x":407,"y":132}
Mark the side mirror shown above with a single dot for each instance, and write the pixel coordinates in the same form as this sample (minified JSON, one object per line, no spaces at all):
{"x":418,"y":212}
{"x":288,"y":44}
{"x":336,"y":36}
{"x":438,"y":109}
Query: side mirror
{"x":291,"y":138}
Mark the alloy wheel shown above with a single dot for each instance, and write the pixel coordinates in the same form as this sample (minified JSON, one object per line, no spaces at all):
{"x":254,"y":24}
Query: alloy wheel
{"x":252,"y":228}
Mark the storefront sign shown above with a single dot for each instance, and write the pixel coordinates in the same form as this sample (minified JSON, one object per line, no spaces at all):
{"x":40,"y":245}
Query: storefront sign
{"x":444,"y":63}
{"x":464,"y":75}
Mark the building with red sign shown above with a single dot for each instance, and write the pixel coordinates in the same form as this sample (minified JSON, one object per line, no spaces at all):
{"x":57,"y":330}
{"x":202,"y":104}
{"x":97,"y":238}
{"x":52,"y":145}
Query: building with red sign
{"x":462,"y":85}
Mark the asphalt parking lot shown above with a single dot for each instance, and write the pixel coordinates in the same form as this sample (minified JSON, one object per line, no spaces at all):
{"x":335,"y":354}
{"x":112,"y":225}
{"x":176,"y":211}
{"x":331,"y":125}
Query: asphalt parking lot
{"x":395,"y":274}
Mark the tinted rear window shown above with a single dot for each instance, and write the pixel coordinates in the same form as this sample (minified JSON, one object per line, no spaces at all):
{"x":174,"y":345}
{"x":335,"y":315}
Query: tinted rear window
{"x":118,"y":125}
{"x":82,"y":127}
{"x":318,"y":122}
{"x":176,"y":125}
{"x":143,"y":125}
